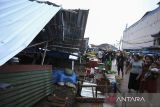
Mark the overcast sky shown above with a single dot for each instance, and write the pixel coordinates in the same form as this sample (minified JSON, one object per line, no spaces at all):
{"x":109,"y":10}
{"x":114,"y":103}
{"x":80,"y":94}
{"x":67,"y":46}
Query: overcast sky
{"x":108,"y":18}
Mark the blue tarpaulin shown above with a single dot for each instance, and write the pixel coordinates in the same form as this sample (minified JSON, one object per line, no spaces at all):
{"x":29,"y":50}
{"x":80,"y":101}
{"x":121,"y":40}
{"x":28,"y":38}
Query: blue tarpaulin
{"x":58,"y":75}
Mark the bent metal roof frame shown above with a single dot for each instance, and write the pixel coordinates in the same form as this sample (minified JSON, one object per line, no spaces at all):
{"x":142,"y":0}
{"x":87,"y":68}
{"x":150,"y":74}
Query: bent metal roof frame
{"x":21,"y":21}
{"x":65,"y":31}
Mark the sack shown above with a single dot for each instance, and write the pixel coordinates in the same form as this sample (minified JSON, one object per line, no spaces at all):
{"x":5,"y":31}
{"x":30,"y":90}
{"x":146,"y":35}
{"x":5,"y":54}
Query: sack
{"x":68,"y":71}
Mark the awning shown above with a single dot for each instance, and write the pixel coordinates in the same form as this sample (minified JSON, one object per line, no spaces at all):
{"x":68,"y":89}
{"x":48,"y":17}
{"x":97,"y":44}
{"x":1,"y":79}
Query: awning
{"x":20,"y":22}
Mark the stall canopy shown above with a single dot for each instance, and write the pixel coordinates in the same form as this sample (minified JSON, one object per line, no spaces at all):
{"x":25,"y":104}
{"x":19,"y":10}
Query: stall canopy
{"x":20,"y":22}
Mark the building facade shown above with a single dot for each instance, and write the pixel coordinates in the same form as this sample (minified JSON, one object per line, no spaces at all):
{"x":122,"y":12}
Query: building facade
{"x":143,"y":34}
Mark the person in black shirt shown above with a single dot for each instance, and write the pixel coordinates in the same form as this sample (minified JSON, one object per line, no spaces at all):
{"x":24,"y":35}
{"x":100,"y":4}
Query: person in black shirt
{"x":120,"y":63}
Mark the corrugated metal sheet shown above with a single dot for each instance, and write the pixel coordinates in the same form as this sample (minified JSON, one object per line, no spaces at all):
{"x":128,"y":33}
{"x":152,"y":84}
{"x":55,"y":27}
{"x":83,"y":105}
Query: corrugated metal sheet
{"x":65,"y":31}
{"x":20,"y":22}
{"x":27,"y":88}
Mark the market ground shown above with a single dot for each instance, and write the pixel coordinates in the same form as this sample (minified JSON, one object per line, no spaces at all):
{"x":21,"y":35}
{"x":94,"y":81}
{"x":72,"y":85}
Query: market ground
{"x":124,"y":83}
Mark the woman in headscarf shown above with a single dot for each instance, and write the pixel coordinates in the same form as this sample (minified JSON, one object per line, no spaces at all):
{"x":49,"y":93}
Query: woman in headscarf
{"x":148,"y":60}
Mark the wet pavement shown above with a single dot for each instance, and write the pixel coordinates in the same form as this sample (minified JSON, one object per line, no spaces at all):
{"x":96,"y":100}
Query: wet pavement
{"x":124,"y":81}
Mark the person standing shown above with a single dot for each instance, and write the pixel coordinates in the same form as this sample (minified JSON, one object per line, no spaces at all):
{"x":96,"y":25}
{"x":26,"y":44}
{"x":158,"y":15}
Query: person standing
{"x":149,"y":75}
{"x":148,"y":60}
{"x":108,"y":60}
{"x":135,"y":73}
{"x":120,"y":63}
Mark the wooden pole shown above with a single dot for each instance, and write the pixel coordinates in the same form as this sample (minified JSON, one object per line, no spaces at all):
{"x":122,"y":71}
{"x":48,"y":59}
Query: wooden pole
{"x":44,"y":54}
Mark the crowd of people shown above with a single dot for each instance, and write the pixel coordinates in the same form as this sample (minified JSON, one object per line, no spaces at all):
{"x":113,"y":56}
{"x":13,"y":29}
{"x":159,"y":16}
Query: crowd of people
{"x":144,"y":71}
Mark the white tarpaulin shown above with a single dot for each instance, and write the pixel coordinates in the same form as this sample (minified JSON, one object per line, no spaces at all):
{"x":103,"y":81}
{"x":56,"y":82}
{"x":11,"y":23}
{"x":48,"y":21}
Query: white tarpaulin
{"x":20,"y":22}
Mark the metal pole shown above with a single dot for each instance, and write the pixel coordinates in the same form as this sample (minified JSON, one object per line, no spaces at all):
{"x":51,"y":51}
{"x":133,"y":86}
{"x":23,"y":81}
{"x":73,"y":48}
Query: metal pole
{"x":72,"y":65}
{"x":44,"y":55}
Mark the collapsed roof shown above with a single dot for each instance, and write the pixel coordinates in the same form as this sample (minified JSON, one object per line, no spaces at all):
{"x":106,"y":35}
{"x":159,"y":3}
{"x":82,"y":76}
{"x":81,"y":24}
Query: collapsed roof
{"x":21,"y":21}
{"x":64,"y":33}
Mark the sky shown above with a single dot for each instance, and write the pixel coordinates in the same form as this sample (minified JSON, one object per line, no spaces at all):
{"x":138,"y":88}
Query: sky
{"x":107,"y":19}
